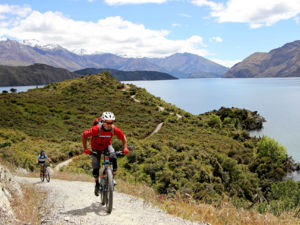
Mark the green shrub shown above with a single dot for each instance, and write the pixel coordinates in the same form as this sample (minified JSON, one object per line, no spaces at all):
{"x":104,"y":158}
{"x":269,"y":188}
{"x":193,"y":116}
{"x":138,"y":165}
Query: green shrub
{"x":215,"y":121}
{"x":268,"y":147}
{"x":284,"y":196}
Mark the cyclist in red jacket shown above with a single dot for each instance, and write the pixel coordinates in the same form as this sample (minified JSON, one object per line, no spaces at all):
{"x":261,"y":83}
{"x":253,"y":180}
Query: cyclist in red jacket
{"x":102,"y":134}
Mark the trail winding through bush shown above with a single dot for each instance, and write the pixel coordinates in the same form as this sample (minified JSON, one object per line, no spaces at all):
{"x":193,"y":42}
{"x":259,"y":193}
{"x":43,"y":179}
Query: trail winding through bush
{"x":74,"y":202}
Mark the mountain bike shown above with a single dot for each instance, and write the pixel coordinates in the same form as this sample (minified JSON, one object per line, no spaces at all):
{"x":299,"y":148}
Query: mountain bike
{"x":106,"y":182}
{"x":45,"y":173}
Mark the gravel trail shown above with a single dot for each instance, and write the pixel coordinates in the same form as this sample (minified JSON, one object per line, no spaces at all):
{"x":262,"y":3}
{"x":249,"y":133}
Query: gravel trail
{"x":73,"y":202}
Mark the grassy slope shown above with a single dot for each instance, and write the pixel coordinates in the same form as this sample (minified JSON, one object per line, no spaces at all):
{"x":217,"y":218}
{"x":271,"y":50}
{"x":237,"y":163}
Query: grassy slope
{"x":201,"y":159}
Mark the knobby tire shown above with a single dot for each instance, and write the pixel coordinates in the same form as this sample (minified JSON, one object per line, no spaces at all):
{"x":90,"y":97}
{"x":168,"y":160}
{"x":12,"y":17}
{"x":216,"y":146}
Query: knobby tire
{"x":103,"y":193}
{"x":110,"y":190}
{"x":42,"y":177}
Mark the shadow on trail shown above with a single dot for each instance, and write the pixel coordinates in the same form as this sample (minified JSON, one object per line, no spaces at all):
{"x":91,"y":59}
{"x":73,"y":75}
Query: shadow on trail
{"x":39,"y":182}
{"x":96,"y":208}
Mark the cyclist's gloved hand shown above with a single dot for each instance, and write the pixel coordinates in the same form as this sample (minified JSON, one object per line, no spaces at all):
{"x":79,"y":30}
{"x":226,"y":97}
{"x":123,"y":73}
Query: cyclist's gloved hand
{"x":87,"y":151}
{"x":126,"y":151}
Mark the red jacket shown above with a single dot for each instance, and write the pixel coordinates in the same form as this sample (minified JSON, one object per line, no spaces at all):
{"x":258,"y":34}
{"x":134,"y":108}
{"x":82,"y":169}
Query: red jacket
{"x":101,"y":138}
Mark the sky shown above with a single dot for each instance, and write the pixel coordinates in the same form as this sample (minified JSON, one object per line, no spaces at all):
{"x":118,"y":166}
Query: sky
{"x":224,"y":31}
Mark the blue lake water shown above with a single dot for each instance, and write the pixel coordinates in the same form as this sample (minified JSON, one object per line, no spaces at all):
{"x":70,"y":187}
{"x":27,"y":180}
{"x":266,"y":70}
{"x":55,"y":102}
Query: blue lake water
{"x":276,"y":99}
{"x":19,"y":88}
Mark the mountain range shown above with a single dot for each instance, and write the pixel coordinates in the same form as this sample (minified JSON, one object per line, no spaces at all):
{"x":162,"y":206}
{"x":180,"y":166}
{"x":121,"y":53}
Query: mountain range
{"x":37,"y":74}
{"x":40,"y":74}
{"x":180,"y":65}
{"x":279,"y":62}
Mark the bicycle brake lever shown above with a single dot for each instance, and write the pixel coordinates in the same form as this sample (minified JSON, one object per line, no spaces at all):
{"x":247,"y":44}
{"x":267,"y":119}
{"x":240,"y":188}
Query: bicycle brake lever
{"x":119,"y":153}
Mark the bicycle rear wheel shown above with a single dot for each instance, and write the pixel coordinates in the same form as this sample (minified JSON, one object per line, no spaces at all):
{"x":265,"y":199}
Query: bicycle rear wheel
{"x":110,"y":190}
{"x":47,"y":175}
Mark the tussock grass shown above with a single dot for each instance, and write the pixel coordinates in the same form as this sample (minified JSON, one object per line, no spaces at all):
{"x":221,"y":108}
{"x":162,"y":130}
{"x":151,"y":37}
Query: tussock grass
{"x":31,"y":209}
{"x":187,"y":208}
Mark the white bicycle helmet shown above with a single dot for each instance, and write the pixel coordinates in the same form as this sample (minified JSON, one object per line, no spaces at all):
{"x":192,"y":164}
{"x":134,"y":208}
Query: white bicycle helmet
{"x":108,"y":116}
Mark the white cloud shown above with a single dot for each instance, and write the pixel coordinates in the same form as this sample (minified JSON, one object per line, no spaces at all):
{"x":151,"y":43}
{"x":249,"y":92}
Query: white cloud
{"x":109,"y":35}
{"x":227,"y":63}
{"x":257,"y":13}
{"x":2,"y":38}
{"x":211,"y":4}
{"x":5,"y":10}
{"x":185,"y":15}
{"x":216,"y":39}
{"x":176,"y":25}
{"x":123,"y":2}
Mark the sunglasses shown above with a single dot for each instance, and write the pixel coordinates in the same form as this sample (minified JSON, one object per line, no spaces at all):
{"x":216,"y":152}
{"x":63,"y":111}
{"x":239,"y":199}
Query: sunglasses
{"x":109,"y":123}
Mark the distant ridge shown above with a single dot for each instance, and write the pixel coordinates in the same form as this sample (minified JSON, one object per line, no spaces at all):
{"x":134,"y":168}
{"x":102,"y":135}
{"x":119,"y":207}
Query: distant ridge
{"x":129,"y":75}
{"x":37,"y":74}
{"x":187,"y":65}
{"x":181,"y":65}
{"x":280,"y":62}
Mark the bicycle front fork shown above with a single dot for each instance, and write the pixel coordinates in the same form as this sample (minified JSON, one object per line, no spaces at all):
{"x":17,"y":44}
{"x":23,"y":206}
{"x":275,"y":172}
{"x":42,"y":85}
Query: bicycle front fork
{"x":102,"y":181}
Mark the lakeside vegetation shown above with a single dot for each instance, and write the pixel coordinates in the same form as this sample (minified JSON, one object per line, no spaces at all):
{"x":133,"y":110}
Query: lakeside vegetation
{"x":208,"y":158}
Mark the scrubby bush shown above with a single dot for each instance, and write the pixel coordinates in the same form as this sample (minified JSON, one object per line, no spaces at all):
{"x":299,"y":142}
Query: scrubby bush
{"x":284,"y":196}
{"x":215,"y":121}
{"x":268,"y":147}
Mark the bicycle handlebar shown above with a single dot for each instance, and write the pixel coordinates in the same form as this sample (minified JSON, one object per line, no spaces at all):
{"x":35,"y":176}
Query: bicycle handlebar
{"x":120,"y":153}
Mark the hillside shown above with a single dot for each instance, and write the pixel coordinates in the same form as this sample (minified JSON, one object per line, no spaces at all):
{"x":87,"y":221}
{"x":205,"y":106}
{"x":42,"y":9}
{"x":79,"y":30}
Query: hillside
{"x":128,"y":75}
{"x":280,"y":62}
{"x":181,"y":65}
{"x":208,"y":157}
{"x":36,"y":74}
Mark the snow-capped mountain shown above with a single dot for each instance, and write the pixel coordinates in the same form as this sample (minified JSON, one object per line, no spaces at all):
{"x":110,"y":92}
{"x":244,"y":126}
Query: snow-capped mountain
{"x":39,"y":44}
{"x":28,"y":52}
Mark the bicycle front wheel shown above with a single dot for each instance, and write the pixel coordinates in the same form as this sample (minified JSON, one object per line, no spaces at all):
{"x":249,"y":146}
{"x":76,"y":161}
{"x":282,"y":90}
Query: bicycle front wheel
{"x":42,"y":177}
{"x":110,"y":190}
{"x":103,"y":194}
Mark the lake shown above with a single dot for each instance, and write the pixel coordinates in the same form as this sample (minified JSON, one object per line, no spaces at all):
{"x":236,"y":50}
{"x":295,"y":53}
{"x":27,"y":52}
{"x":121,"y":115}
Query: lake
{"x":276,"y":99}
{"x":19,"y":88}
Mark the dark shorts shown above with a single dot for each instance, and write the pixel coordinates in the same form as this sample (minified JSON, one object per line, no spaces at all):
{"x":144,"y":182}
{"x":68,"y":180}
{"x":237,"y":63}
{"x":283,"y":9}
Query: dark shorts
{"x":96,"y":156}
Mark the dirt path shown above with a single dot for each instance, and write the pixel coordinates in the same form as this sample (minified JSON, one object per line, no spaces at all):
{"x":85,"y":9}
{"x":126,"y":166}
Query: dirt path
{"x":58,"y":166}
{"x":158,"y":127}
{"x":73,"y":202}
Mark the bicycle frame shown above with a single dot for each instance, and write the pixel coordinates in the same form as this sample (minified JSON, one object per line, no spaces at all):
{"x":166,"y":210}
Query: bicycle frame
{"x":106,"y":181}
{"x":45,"y":173}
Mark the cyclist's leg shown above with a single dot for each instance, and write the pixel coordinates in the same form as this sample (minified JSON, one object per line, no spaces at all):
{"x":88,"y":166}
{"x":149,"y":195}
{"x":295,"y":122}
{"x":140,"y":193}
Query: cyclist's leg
{"x":96,"y":157}
{"x":113,"y":158}
{"x":41,"y":168}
